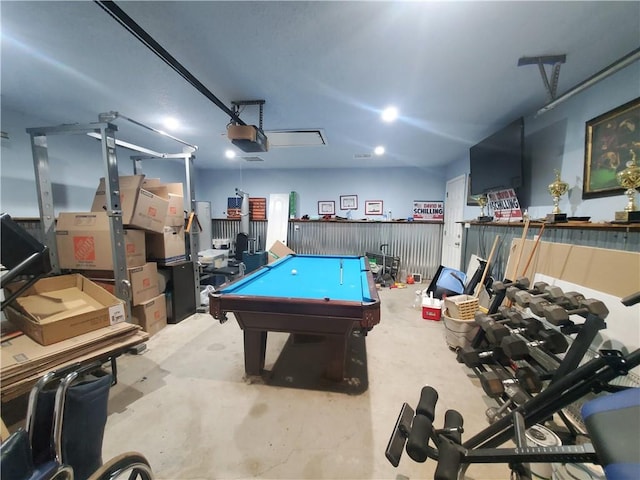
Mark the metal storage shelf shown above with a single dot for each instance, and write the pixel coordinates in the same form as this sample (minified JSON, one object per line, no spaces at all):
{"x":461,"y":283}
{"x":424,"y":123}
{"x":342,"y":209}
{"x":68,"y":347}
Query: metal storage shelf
{"x":104,"y":131}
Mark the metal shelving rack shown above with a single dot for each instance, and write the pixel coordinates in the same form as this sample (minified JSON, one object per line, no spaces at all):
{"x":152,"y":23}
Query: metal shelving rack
{"x":104,"y":131}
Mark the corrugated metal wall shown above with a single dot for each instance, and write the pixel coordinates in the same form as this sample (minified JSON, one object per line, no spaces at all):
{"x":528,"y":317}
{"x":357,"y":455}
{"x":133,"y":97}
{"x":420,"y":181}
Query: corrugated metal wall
{"x":417,"y":244}
{"x":478,"y":240}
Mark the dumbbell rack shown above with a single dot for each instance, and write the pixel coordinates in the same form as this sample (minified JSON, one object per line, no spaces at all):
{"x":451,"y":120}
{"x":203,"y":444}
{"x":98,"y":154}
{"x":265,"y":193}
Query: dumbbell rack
{"x":514,"y":395}
{"x":453,"y":455}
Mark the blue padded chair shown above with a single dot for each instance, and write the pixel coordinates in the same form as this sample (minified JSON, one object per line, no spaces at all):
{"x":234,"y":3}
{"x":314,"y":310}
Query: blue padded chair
{"x":613,"y":423}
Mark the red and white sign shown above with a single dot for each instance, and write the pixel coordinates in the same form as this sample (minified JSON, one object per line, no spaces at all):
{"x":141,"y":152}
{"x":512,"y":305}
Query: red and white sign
{"x":505,"y":205}
{"x":428,"y":210}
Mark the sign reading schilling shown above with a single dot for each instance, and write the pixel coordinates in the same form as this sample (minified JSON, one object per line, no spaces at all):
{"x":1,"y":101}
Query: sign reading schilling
{"x":428,"y":210}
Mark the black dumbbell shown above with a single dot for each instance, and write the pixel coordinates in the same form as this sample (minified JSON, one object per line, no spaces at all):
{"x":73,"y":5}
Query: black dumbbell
{"x":520,"y":282}
{"x":551,"y":340}
{"x":494,"y":383}
{"x":529,"y":326}
{"x":538,"y":287}
{"x":494,"y":322}
{"x":573,"y":299}
{"x":504,"y":314}
{"x":493,"y":414}
{"x":551,"y":293}
{"x":473,"y":358}
{"x":529,"y":377}
{"x":558,"y":315}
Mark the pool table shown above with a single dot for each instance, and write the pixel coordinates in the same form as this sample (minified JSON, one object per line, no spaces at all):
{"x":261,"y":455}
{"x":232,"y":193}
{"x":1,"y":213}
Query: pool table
{"x":327,"y":295}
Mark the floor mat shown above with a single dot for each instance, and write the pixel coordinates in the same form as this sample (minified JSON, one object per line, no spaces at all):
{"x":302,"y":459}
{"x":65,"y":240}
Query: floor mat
{"x":301,"y":365}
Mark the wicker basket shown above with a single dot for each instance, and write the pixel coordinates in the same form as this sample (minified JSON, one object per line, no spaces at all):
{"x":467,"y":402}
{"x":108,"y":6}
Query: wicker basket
{"x":463,"y":307}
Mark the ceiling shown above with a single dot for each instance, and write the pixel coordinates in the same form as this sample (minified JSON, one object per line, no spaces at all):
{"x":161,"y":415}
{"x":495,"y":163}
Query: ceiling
{"x":449,"y":67}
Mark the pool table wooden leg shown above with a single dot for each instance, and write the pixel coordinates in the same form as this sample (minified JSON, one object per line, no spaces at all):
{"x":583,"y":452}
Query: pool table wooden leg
{"x":337,"y":348}
{"x":255,"y":346}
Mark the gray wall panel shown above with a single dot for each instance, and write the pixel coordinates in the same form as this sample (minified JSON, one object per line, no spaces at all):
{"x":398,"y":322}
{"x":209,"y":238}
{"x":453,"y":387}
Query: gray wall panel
{"x":418,"y":244}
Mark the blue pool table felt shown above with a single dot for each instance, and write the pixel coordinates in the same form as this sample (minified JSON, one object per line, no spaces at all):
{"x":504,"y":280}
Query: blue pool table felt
{"x":316,"y":277}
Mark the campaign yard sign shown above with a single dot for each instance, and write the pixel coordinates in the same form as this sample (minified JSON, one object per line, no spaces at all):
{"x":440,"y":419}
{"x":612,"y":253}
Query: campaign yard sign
{"x":428,"y":210}
{"x":505,"y":205}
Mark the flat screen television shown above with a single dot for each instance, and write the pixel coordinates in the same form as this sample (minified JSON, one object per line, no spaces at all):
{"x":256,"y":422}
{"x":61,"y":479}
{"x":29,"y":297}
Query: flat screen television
{"x":496,"y":162}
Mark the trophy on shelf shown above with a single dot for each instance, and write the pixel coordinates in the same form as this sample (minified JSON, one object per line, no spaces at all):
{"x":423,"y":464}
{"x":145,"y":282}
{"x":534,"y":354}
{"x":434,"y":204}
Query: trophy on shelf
{"x":482,"y":201}
{"x":557,"y":189}
{"x":629,"y":178}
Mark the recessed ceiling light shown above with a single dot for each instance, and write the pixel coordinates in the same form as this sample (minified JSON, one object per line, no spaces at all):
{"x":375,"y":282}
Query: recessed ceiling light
{"x":230,"y":154}
{"x":171,"y":123}
{"x":379,"y":150}
{"x":389,"y":114}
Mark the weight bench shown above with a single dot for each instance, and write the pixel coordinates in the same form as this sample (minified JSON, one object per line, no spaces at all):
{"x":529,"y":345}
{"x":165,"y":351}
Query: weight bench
{"x":613,"y":423}
{"x":608,"y":449}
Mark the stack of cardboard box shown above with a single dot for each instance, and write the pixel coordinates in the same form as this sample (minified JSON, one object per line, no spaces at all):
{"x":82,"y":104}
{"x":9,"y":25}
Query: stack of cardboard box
{"x":153,"y":216}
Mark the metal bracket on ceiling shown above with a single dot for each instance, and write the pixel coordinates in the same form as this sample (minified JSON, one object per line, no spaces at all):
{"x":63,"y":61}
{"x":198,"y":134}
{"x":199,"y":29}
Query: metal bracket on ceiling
{"x":550,"y":84}
{"x":236,"y":104}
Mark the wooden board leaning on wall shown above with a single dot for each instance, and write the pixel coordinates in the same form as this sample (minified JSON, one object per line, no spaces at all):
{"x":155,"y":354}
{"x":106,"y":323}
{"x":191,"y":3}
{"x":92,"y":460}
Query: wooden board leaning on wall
{"x":615,"y":272}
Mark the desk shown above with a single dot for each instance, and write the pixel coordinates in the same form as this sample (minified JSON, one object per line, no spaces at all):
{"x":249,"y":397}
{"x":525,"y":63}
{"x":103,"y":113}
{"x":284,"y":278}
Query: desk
{"x":312,"y":301}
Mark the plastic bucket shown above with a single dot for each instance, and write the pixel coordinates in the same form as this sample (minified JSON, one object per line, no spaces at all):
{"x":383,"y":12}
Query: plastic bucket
{"x":540,"y":436}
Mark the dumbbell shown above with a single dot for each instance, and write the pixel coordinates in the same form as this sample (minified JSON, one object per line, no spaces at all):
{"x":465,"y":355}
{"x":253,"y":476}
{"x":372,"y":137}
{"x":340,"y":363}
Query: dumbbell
{"x":551,"y":340}
{"x":557,"y":315}
{"x":520,"y":282}
{"x":473,"y":358}
{"x":538,"y":287}
{"x":504,"y":315}
{"x":550,"y":293}
{"x":493,"y":414}
{"x":528,"y":375}
{"x":573,"y":299}
{"x":497,"y":331}
{"x":495,"y":382}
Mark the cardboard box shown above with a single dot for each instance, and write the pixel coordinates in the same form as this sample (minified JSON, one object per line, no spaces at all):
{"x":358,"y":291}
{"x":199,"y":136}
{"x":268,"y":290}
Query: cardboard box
{"x":144,"y":282}
{"x":57,"y":308}
{"x":166,"y":247}
{"x":151,"y":315}
{"x":140,"y":208}
{"x":84,"y":242}
{"x":277,"y":251}
{"x":173,"y":193}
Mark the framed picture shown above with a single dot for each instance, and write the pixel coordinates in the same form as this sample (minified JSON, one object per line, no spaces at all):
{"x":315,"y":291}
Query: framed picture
{"x":348,"y":202}
{"x":327,"y":207}
{"x":609,"y":139}
{"x":373,"y":207}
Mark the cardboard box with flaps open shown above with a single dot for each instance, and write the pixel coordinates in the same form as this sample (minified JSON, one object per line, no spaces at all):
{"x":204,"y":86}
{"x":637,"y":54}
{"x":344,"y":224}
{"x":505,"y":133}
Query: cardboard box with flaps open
{"x":57,"y":308}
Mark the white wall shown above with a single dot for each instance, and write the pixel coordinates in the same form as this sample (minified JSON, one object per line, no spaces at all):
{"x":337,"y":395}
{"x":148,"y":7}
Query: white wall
{"x":556,"y":139}
{"x":396,"y":187}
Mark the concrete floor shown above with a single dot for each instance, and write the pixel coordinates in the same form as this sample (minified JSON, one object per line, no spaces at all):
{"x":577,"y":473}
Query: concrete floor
{"x":187,"y":406}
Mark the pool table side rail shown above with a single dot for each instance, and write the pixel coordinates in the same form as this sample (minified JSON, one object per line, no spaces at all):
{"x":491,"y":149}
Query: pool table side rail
{"x":366,"y":313}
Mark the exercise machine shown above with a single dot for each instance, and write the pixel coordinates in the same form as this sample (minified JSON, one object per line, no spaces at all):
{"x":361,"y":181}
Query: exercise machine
{"x":619,"y":457}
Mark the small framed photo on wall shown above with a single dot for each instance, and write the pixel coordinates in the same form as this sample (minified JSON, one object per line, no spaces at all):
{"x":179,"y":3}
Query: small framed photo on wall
{"x":373,"y":207}
{"x":327,"y":207}
{"x":348,"y":202}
